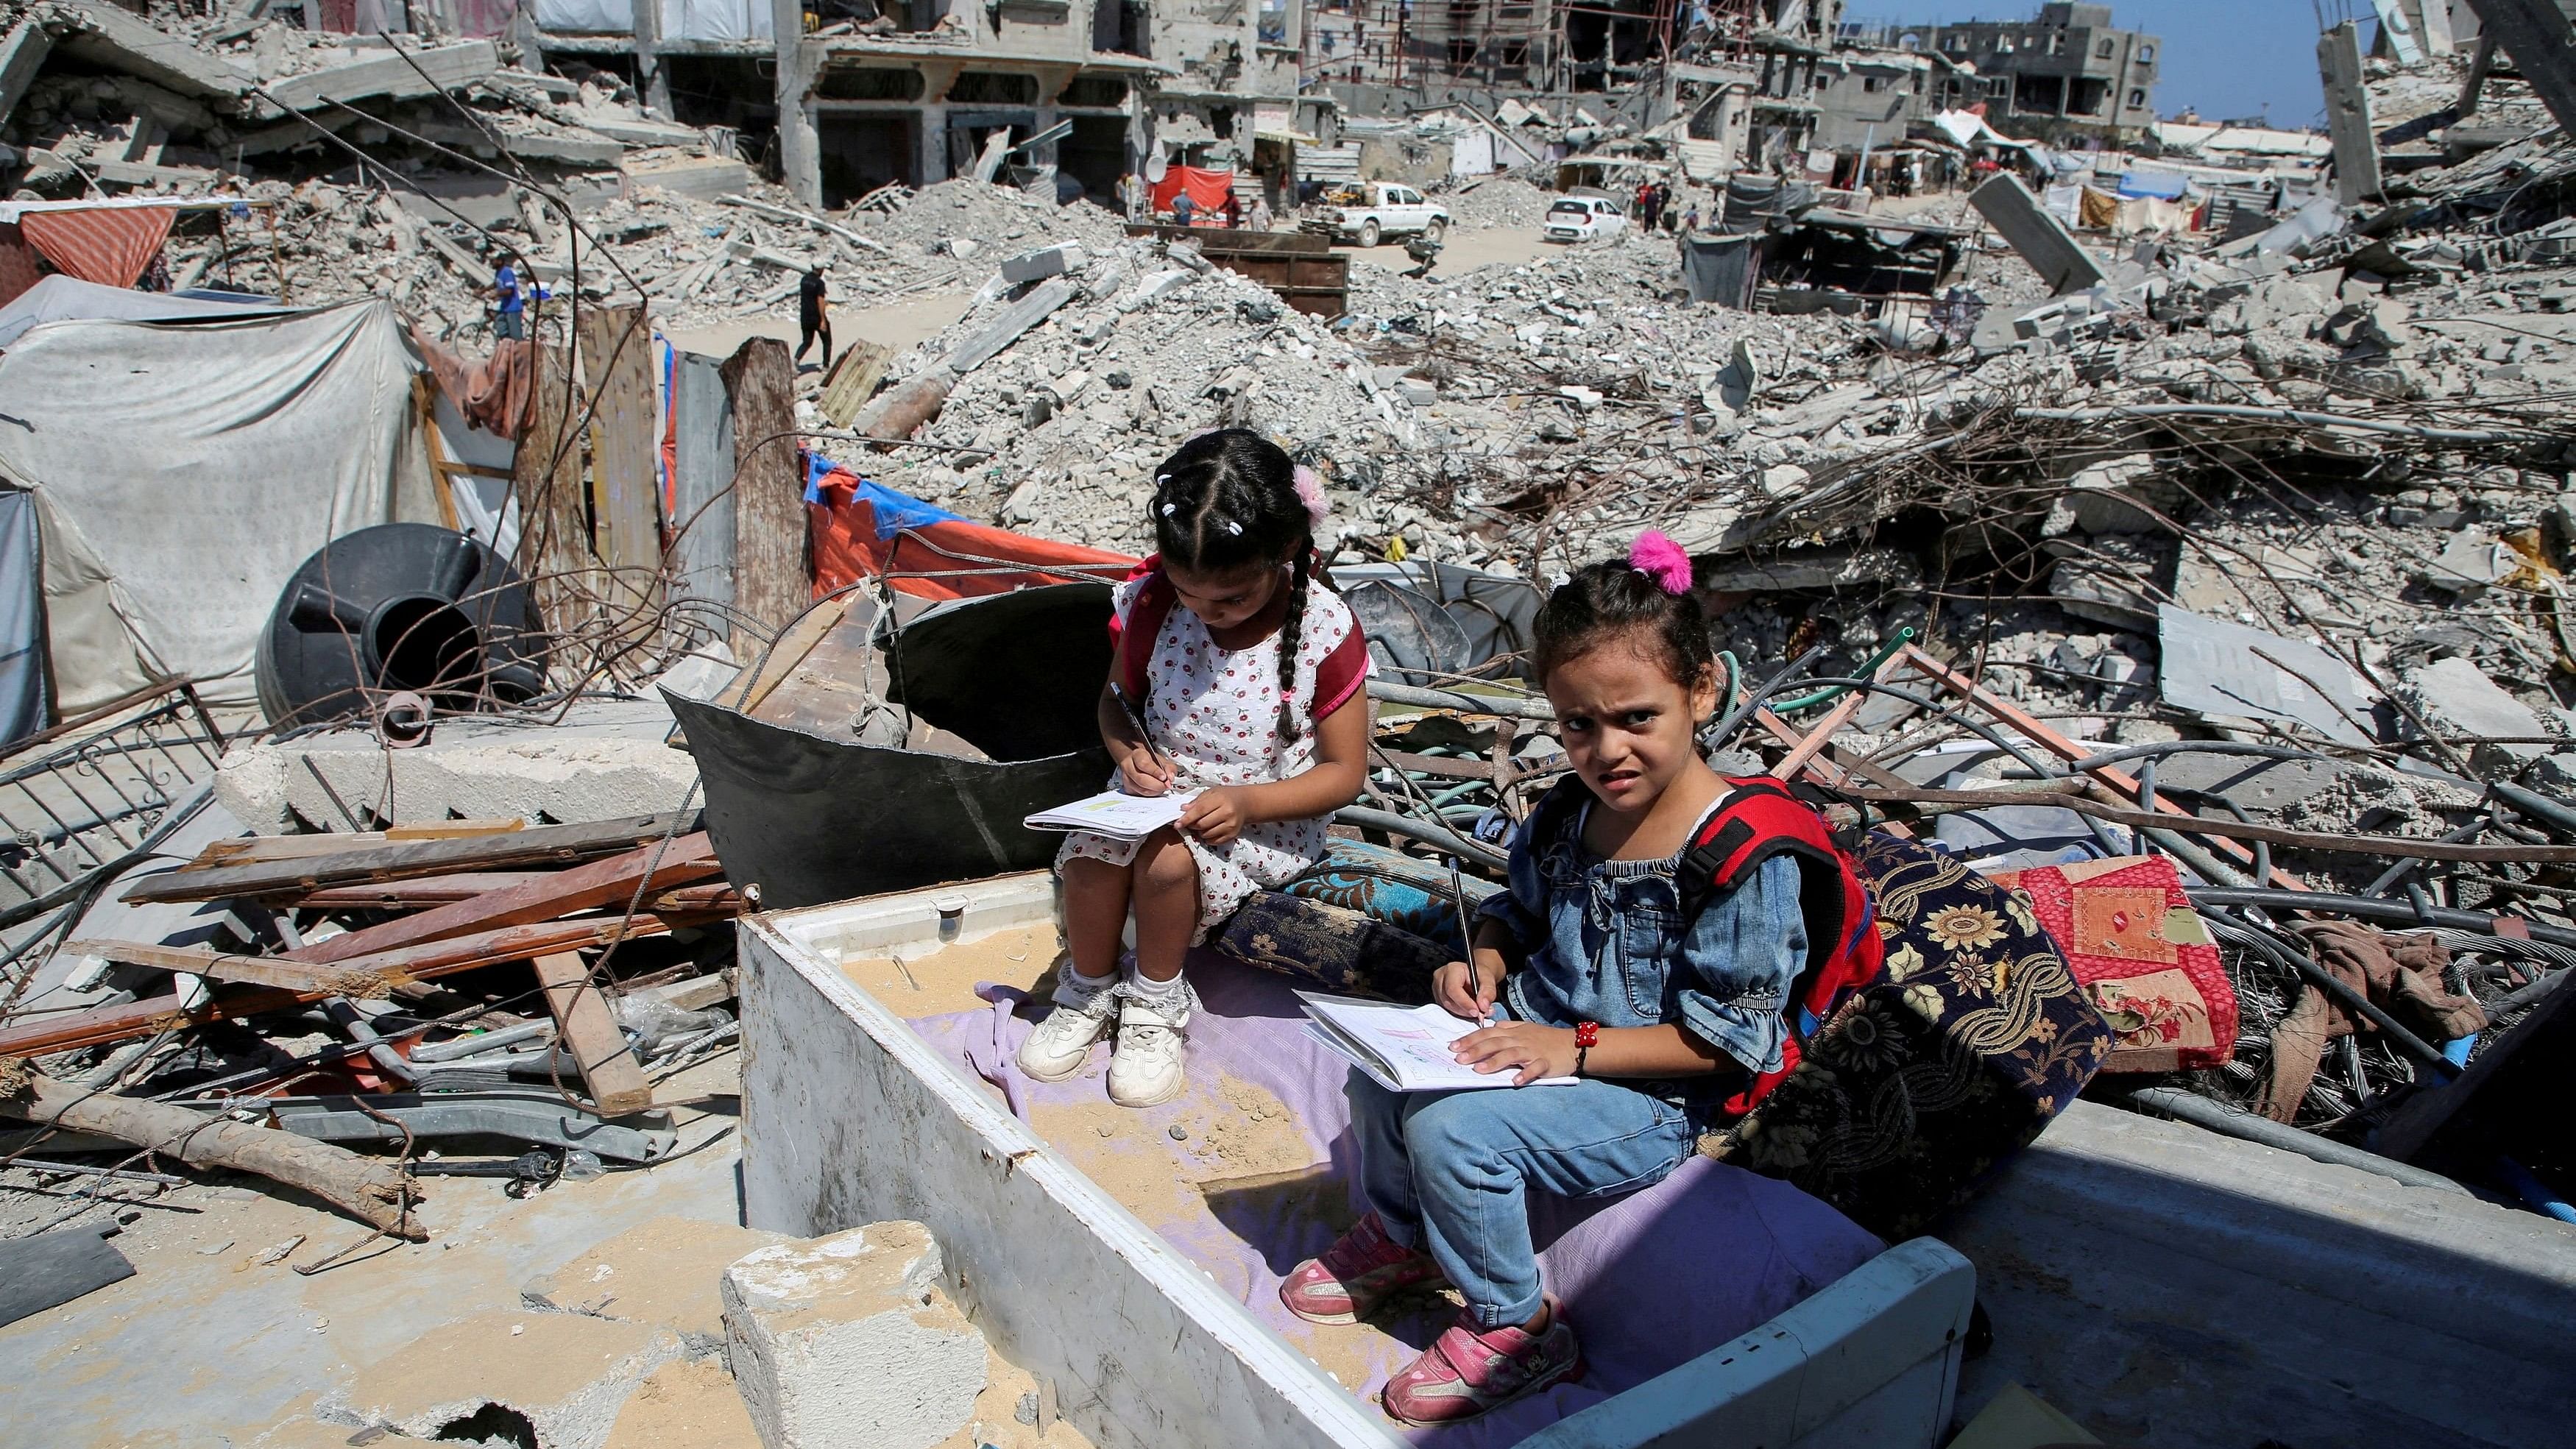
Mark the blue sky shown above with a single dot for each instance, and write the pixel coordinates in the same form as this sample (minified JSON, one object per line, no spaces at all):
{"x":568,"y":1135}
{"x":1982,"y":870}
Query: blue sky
{"x":2227,"y":57}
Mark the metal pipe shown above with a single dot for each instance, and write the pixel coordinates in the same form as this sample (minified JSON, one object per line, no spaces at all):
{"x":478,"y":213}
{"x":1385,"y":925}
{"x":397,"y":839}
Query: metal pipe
{"x":472,"y":1046}
{"x":2218,"y":1117}
{"x":1507,"y":706}
{"x":1412,"y":829}
{"x":2393,"y":912}
{"x":2534,"y":804}
{"x":2272,"y":415}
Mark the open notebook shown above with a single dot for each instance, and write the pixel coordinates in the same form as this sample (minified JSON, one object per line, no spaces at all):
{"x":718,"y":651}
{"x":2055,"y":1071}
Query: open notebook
{"x":1402,"y":1048}
{"x":1116,"y":815}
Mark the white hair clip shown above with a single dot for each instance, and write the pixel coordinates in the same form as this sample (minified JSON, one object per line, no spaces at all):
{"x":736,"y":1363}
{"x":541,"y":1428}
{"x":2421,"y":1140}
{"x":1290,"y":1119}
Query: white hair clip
{"x":1167,"y":510}
{"x":1231,"y":527}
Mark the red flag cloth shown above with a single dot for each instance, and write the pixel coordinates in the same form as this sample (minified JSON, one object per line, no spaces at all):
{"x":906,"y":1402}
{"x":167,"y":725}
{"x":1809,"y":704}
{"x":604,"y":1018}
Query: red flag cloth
{"x":108,"y":245}
{"x":1208,"y":189}
{"x":18,"y":269}
{"x":861,"y":529}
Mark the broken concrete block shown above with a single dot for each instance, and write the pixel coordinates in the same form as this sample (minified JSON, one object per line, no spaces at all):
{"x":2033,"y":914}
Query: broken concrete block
{"x":1154,"y":288}
{"x":2554,"y":775}
{"x":1416,"y":391}
{"x":2117,"y":495}
{"x":2470,"y":563}
{"x":2456,"y":698}
{"x":1188,"y":255}
{"x":668,"y":1273}
{"x":1786,"y":480}
{"x":699,"y":178}
{"x":606,"y":760}
{"x":1006,"y":329}
{"x":1045,"y":262}
{"x":566,"y":1375}
{"x":1583,"y":398}
{"x":2041,"y":239}
{"x":106,"y":36}
{"x":845,"y":1340}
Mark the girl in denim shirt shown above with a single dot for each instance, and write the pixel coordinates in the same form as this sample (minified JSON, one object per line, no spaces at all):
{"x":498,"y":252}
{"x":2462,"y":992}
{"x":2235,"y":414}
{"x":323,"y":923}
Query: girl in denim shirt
{"x":1587,"y":968}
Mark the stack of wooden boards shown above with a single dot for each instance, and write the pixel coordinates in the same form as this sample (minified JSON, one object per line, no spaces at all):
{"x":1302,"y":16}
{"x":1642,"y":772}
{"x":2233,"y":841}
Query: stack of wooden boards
{"x":480,"y":894}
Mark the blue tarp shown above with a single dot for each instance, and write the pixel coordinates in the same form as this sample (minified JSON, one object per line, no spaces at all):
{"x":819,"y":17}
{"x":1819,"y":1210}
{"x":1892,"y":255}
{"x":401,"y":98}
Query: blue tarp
{"x":895,"y":511}
{"x":2161,"y":185}
{"x":23,"y":696}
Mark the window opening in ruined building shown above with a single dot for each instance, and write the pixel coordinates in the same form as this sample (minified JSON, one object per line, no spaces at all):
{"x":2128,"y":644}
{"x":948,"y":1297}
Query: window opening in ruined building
{"x":1094,"y":90}
{"x":838,"y":84}
{"x":2137,"y":98}
{"x":2146,"y":55}
{"x":2103,"y":51}
{"x":993,"y":88}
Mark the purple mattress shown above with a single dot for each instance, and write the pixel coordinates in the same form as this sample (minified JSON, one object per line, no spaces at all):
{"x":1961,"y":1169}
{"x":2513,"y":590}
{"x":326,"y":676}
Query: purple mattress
{"x":1649,"y":1280}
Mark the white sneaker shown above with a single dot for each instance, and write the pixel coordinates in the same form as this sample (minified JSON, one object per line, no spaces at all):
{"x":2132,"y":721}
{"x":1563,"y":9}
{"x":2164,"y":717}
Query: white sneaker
{"x":1058,"y":1046}
{"x":1145,"y":1065}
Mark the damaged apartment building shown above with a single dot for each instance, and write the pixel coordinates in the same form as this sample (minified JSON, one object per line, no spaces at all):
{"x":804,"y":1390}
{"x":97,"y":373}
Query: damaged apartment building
{"x":1092,"y":87}
{"x":865,"y":95}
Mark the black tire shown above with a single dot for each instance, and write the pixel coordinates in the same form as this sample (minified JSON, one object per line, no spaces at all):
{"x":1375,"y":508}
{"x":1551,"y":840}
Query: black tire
{"x":1437,"y":229}
{"x":1370,"y":235}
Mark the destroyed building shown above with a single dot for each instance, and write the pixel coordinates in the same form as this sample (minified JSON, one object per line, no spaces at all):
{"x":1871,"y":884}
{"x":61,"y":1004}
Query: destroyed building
{"x":2065,"y":72}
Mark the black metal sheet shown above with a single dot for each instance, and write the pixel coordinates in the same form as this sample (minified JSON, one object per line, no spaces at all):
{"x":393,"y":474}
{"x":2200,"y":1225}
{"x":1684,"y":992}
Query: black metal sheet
{"x":1016,"y":675}
{"x":811,"y":820}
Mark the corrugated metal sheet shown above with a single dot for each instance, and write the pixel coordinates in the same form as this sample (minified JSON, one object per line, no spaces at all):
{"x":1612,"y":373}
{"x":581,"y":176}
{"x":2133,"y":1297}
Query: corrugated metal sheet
{"x":1329,"y":163}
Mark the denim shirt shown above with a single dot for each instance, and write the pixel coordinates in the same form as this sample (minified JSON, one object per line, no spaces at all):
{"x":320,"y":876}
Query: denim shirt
{"x":1607,"y":943}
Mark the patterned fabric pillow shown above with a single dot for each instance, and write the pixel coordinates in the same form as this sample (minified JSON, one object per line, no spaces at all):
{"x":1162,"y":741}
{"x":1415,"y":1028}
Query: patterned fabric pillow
{"x":1920,"y":1085}
{"x":2143,"y":956}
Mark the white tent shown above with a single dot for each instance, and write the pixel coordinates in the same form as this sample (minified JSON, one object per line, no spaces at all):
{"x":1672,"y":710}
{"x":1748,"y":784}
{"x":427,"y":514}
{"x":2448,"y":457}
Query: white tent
{"x":183,"y":471}
{"x":62,"y":299}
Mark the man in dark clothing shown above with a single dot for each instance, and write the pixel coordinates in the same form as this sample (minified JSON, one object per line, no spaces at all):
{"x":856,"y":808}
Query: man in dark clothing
{"x":1648,"y":202}
{"x":814,"y":316}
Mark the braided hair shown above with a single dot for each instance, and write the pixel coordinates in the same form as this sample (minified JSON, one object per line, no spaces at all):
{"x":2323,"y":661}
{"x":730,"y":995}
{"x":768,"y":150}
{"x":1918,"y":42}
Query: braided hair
{"x":1226,"y":499}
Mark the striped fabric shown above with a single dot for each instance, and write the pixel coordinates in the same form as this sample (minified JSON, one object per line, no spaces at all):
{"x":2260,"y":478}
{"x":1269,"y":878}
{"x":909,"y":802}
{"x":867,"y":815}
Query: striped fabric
{"x":109,"y":247}
{"x":18,"y":269}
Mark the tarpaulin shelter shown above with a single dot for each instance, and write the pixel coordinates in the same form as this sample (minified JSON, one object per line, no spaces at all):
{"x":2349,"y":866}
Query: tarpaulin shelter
{"x":69,"y":299}
{"x":183,"y":470}
{"x":863,"y":529}
{"x":1208,"y":189}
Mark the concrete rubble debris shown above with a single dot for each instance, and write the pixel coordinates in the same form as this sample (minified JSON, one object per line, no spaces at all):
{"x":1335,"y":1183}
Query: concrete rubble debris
{"x":2060,"y":492}
{"x":849,"y":1340}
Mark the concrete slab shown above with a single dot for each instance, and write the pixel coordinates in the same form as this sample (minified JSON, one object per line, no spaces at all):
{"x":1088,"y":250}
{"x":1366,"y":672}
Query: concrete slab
{"x":111,"y":38}
{"x":667,"y":1273}
{"x":566,"y":1374}
{"x":386,"y":77}
{"x":2457,"y":698}
{"x":607,"y":759}
{"x":2165,"y":1285}
{"x":210,"y":1345}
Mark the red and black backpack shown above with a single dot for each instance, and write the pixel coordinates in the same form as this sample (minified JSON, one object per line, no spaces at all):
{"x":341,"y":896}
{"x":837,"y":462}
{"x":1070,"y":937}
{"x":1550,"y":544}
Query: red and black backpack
{"x":1758,"y":818}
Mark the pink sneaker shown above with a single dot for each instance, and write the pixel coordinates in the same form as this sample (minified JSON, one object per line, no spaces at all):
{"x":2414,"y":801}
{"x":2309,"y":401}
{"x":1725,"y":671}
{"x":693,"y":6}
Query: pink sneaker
{"x":1355,"y":1275}
{"x":1466,"y":1371}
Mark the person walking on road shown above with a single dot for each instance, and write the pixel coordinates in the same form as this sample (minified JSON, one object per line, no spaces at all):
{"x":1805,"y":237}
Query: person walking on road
{"x":814,"y":315}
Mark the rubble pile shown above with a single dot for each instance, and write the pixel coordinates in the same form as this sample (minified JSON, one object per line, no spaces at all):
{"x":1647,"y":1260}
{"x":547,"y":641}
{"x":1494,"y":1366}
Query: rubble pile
{"x":1508,"y":201}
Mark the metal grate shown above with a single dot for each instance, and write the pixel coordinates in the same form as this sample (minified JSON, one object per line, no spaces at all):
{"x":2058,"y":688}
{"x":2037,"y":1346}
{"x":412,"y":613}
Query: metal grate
{"x":85,"y":796}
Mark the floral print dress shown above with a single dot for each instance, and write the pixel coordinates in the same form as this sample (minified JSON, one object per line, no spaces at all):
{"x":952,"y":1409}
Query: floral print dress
{"x":1214,"y":713}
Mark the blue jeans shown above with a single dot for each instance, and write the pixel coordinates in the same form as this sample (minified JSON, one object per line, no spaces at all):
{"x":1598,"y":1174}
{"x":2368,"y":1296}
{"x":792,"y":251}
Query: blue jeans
{"x":1450,"y":1172}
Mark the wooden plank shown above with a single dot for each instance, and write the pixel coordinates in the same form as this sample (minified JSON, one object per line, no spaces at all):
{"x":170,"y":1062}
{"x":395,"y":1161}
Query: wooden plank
{"x":589,"y":1027}
{"x":617,"y":363}
{"x":101,"y":1025}
{"x":770,"y":579}
{"x":246,"y":970}
{"x":855,"y":375}
{"x":554,"y":531}
{"x":415,"y":895}
{"x":243,"y":850}
{"x":609,"y":882}
{"x":543,"y":846}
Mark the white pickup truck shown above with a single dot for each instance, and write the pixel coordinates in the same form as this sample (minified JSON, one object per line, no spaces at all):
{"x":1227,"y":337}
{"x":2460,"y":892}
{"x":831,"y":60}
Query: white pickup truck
{"x":1369,"y":212}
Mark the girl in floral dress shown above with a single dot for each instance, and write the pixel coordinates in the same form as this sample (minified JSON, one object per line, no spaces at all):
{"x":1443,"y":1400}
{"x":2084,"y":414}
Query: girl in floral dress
{"x":1246,"y":673}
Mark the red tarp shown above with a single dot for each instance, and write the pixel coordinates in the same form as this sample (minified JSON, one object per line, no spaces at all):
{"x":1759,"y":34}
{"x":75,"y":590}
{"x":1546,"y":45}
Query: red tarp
{"x":109,"y":246}
{"x":861,"y":529}
{"x":18,"y":269}
{"x":1208,"y":189}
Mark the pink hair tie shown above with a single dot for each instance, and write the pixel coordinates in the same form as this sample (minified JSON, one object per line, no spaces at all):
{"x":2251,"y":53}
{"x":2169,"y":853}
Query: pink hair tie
{"x":1661,"y":560}
{"x":1310,"y":491}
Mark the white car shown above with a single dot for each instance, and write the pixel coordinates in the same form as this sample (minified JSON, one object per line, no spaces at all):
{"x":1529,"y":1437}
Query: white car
{"x":1583,"y":218}
{"x":1372,"y":211}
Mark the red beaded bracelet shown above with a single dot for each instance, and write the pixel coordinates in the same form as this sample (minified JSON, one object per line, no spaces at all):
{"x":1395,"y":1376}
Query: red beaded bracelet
{"x":1587,"y":1035}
